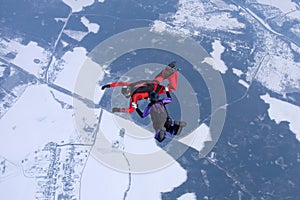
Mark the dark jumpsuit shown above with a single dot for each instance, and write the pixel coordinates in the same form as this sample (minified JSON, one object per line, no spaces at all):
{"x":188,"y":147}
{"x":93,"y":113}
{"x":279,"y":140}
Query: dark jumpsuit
{"x":158,"y":112}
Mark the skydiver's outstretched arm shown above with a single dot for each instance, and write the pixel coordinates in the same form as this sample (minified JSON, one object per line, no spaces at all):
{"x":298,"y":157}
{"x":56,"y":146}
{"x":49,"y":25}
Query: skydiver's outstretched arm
{"x":115,"y":84}
{"x":140,"y":113}
{"x":169,"y":98}
{"x":168,"y":93}
{"x":126,"y":110}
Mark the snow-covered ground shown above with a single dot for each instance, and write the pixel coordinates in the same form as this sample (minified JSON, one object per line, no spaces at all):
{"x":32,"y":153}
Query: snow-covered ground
{"x":18,"y":188}
{"x":79,"y":35}
{"x":30,"y":57}
{"x":149,"y":186}
{"x":244,"y":83}
{"x":1,"y":70}
{"x":194,"y":14}
{"x":39,"y":117}
{"x":283,"y":111}
{"x":284,"y":6}
{"x":34,"y":120}
{"x":77,"y":6}
{"x":76,"y":35}
{"x":72,"y":63}
{"x":99,"y":181}
{"x":237,"y":72}
{"x":98,"y":178}
{"x":188,"y":196}
{"x":140,"y":141}
{"x":92,"y":27}
{"x":200,"y":135}
{"x":279,"y":73}
{"x":261,"y":21}
{"x":218,"y":49}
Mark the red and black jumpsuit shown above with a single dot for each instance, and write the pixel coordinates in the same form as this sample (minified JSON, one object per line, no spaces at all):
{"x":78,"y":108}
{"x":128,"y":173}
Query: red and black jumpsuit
{"x":141,"y":89}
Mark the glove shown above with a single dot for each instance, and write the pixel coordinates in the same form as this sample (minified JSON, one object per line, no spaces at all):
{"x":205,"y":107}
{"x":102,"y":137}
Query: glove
{"x":105,"y":86}
{"x":134,"y":105}
{"x":115,"y":110}
{"x":166,"y":89}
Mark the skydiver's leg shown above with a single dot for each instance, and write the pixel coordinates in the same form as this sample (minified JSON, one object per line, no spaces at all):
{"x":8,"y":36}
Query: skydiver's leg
{"x":160,"y":135}
{"x":159,"y":77}
{"x":160,"y":130}
{"x":173,"y":80}
{"x":177,"y":127}
{"x":168,"y":73}
{"x":169,"y":125}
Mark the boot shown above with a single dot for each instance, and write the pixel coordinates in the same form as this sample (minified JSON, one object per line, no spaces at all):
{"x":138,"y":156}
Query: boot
{"x":160,"y":135}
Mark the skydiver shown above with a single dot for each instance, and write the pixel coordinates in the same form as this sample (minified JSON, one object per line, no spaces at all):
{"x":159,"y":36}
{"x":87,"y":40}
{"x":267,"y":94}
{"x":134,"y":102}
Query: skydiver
{"x":161,"y":120}
{"x":141,"y":89}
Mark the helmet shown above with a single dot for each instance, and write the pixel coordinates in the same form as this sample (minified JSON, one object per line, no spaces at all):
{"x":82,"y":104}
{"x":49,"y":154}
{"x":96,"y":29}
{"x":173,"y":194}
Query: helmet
{"x":126,"y":91}
{"x":172,"y":64}
{"x":154,"y":97}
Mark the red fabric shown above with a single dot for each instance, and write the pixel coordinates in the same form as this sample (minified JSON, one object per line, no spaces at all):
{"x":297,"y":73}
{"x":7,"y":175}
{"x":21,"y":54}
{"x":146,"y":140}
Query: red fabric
{"x":171,"y":75}
{"x":115,"y":84}
{"x":173,"y":81}
{"x":135,"y":98}
{"x":168,"y":73}
{"x":138,"y":96}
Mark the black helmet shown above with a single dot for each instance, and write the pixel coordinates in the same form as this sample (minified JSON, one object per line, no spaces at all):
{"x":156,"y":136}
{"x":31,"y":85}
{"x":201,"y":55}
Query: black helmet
{"x":154,"y":96}
{"x":172,"y":64}
{"x":126,"y":91}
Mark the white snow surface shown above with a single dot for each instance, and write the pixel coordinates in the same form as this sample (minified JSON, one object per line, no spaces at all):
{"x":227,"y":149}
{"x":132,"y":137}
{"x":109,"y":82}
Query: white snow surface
{"x":110,"y":127}
{"x":149,"y":186}
{"x":34,"y":120}
{"x":284,"y":111}
{"x":2,"y":71}
{"x":201,"y":135}
{"x":285,"y":6}
{"x":187,"y":196}
{"x":218,"y":49}
{"x":194,"y":14}
{"x":295,"y":14}
{"x":92,"y":27}
{"x":31,"y":120}
{"x":76,"y":35}
{"x":18,"y":188}
{"x":143,"y":185}
{"x":146,"y":144}
{"x":73,"y":61}
{"x":99,"y":181}
{"x":279,"y":73}
{"x":244,"y":83}
{"x":237,"y":72}
{"x":79,"y":35}
{"x":29,"y":57}
{"x":77,"y":6}
{"x":265,"y":24}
